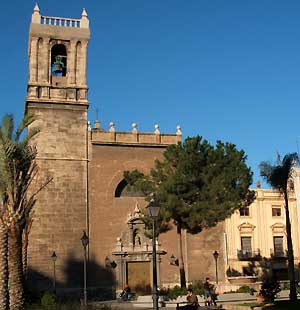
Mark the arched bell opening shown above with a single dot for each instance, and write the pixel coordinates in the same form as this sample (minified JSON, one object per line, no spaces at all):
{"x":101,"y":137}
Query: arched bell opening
{"x":58,"y":60}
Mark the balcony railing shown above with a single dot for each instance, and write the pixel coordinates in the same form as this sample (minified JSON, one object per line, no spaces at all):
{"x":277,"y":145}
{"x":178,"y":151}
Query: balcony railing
{"x":278,"y":254}
{"x":248,"y":255}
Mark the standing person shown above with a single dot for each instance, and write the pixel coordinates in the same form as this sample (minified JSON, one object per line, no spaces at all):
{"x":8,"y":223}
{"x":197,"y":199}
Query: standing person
{"x":213,"y":295}
{"x":207,"y":292}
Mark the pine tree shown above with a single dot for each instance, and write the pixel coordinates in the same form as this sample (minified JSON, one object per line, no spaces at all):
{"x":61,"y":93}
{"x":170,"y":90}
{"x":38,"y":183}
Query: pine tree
{"x":197,"y":185}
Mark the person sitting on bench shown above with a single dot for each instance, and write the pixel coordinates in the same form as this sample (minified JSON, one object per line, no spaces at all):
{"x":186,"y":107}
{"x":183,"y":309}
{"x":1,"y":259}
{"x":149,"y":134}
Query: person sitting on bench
{"x":126,"y":293}
{"x":192,"y":301}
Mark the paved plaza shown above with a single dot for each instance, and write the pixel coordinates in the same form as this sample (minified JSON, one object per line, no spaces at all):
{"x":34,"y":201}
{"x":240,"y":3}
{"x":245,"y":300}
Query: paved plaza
{"x":228,"y":301}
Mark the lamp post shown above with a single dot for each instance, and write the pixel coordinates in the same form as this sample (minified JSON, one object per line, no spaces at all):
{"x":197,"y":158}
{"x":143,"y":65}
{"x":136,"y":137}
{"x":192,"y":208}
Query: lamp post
{"x":85,"y":242}
{"x":54,"y":258}
{"x":216,"y":256}
{"x":153,"y":209}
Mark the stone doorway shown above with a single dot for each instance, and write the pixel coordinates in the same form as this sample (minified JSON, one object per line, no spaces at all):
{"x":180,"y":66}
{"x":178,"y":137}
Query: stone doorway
{"x":133,"y":256}
{"x":138,"y":276}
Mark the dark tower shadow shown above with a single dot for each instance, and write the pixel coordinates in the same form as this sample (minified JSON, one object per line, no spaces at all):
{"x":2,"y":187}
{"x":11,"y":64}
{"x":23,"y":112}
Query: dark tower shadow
{"x":100,"y":281}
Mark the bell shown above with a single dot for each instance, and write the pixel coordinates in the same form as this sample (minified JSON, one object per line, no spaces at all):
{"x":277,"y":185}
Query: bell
{"x":57,"y":68}
{"x":58,"y":65}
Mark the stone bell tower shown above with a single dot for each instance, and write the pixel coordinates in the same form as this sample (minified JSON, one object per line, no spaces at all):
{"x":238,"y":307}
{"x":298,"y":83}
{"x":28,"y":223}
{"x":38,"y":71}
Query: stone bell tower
{"x":57,"y":96}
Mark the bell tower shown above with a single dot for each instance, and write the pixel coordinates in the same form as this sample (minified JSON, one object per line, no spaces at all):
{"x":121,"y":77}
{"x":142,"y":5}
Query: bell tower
{"x":57,"y":97}
{"x":57,"y":59}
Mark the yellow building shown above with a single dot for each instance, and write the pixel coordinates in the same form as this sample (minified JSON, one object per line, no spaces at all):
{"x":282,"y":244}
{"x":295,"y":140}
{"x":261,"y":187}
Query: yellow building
{"x":255,"y":237}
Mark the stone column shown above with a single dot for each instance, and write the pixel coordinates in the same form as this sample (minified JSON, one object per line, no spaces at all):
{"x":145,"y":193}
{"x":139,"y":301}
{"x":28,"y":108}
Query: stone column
{"x":131,"y":234}
{"x":33,"y":60}
{"x":44,"y":68}
{"x":71,"y":64}
{"x":82,"y":64}
{"x":45,"y":61}
{"x":119,"y":273}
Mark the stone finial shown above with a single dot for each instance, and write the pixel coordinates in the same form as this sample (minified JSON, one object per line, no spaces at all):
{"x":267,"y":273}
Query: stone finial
{"x":178,"y":130}
{"x":119,"y":243}
{"x":36,"y":16}
{"x":85,"y":23}
{"x":156,"y":129}
{"x":84,"y":13}
{"x":134,"y":127}
{"x":97,"y":124}
{"x":89,"y":126}
{"x":258,"y":185}
{"x":36,"y":8}
{"x":112,"y":127}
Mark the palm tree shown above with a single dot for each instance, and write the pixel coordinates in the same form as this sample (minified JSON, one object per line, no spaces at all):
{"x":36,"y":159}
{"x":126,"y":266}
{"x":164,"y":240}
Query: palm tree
{"x":3,"y":266}
{"x":278,"y":177}
{"x":25,"y":240}
{"x":18,"y":170}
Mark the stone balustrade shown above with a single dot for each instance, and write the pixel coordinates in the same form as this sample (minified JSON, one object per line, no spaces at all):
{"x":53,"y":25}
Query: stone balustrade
{"x":37,"y":18}
{"x":58,"y":21}
{"x":99,"y":135}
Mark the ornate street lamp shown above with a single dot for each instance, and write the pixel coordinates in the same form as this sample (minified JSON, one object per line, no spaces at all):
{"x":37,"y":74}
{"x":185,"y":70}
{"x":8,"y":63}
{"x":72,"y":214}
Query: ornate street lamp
{"x":85,"y":242}
{"x":216,"y":256}
{"x":153,"y":210}
{"x":54,"y":258}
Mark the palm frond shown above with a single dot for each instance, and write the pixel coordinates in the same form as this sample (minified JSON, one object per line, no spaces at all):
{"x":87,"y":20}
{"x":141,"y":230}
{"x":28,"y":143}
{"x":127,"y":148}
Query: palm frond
{"x":278,"y":175}
{"x":7,"y":126}
{"x":25,"y":123}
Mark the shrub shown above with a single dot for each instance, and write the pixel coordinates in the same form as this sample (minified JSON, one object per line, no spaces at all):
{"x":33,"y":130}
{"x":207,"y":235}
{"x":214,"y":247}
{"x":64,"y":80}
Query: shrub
{"x":286,"y":285}
{"x":49,"y":300}
{"x":269,"y":288}
{"x":246,"y":289}
{"x":173,"y":293}
{"x":198,"y":287}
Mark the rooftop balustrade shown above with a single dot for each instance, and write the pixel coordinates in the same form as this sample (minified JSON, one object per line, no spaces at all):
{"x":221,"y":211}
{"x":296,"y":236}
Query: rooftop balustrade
{"x":37,"y":18}
{"x":60,"y":21}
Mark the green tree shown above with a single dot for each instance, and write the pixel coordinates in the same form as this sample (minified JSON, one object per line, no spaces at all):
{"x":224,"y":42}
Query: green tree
{"x":197,"y":186}
{"x":18,"y":170}
{"x":278,"y":176}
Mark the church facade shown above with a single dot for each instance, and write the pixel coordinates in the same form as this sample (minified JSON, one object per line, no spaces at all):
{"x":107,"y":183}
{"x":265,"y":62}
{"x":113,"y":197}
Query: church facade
{"x":88,"y":191}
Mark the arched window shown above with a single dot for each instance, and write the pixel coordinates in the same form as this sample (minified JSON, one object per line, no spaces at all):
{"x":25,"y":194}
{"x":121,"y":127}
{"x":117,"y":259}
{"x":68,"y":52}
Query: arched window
{"x":122,"y":191}
{"x":58,"y":60}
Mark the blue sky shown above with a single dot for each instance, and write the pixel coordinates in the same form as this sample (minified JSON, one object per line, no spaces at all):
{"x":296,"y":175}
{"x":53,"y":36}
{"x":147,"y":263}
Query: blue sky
{"x":227,"y":70}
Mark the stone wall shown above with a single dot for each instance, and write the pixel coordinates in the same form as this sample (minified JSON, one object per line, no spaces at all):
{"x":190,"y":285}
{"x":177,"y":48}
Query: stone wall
{"x":109,"y":214}
{"x":60,"y":214}
{"x":109,"y":218}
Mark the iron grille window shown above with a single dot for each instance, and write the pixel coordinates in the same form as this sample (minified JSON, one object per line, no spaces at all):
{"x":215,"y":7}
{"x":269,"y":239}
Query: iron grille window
{"x":244,"y":211}
{"x":278,"y":246}
{"x":276,"y":211}
{"x":246,"y":245}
